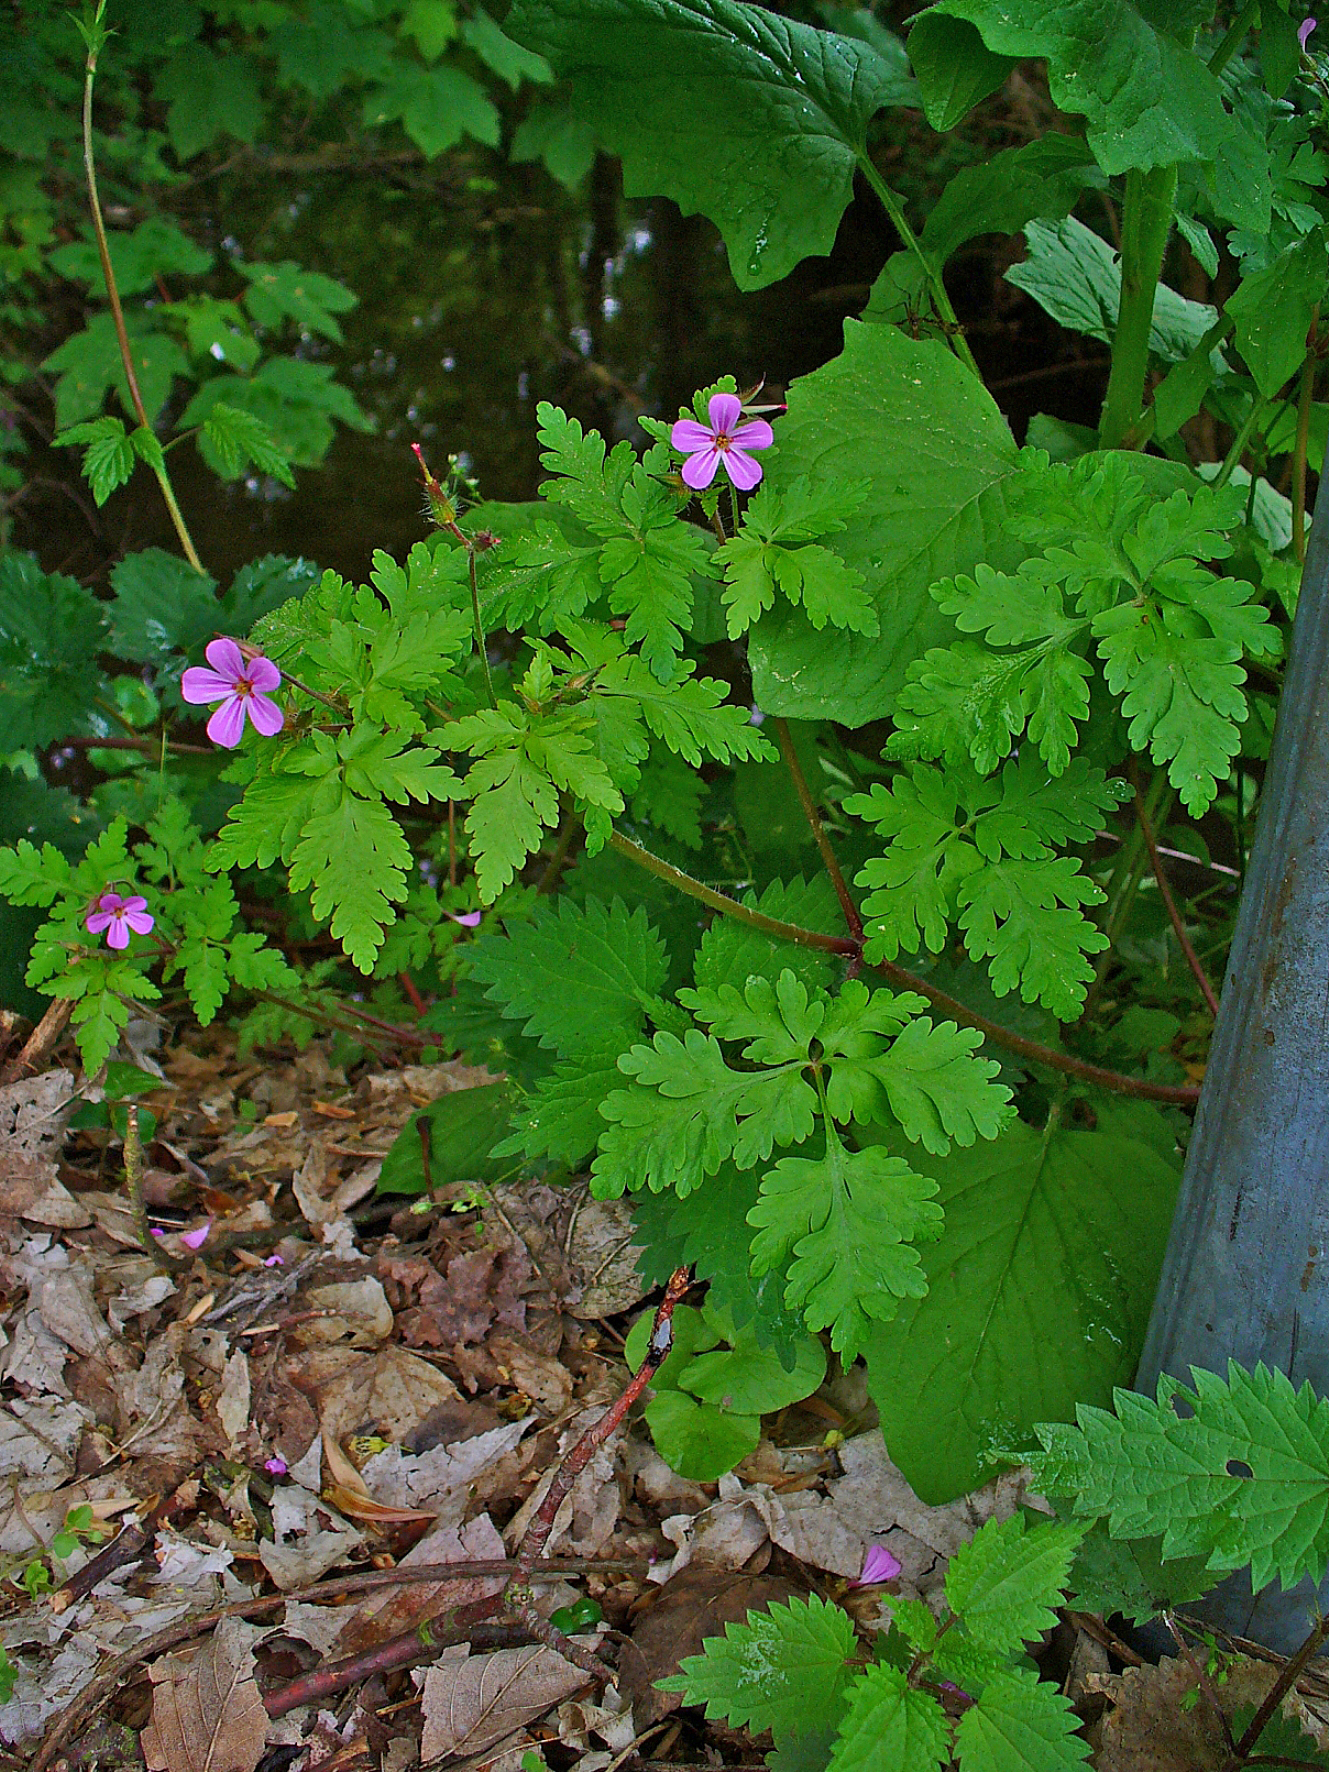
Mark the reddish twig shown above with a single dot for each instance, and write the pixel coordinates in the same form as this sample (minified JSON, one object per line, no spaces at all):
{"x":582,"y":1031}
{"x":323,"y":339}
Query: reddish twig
{"x":786,"y":742}
{"x":1165,"y":892}
{"x":40,"y":1041}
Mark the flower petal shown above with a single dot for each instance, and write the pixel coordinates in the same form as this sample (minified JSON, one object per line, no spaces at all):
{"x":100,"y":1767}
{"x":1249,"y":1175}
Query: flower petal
{"x":725,"y":411}
{"x":140,"y":921}
{"x":266,"y":715}
{"x":699,"y":470}
{"x":111,"y":901}
{"x":878,"y":1565}
{"x":755,"y":434}
{"x":198,"y":685}
{"x":265,"y":676}
{"x":228,"y":723}
{"x":97,"y":921}
{"x":741,"y":469}
{"x":117,"y":936}
{"x":197,"y":1238}
{"x":136,"y":903}
{"x":689,"y":436}
{"x":225,"y":657}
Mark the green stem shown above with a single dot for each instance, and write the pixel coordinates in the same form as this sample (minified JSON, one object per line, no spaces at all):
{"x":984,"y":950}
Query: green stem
{"x":134,"y":1187}
{"x":1145,"y":224}
{"x":113,"y":294}
{"x":937,"y":289}
{"x":1182,"y":1095}
{"x":741,"y":913}
{"x":1304,"y":393}
{"x":1124,"y":882}
{"x":1232,"y":41}
{"x":477,"y":621}
{"x":786,"y":742}
{"x":1259,"y":406}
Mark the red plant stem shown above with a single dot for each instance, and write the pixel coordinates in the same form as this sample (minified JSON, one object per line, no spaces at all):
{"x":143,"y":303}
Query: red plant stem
{"x":1165,"y":892}
{"x":408,"y":984}
{"x":786,"y":742}
{"x":1288,"y":1675}
{"x":421,"y":1644}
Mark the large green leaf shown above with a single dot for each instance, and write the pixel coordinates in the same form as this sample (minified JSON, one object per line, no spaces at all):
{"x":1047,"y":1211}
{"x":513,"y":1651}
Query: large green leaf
{"x":1039,"y":1290}
{"x":1126,"y":66}
{"x":939,"y":451}
{"x":751,"y":119}
{"x":50,"y":633}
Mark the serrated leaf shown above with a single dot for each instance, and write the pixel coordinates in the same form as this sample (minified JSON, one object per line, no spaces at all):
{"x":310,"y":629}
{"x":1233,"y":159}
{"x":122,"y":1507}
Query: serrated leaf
{"x":582,"y":976}
{"x":779,"y":167}
{"x":1007,"y":1580}
{"x":1019,"y":1724}
{"x":785,"y":1669}
{"x":108,"y":459}
{"x":287,"y":291}
{"x":844,"y":1223}
{"x":436,"y":106}
{"x":1039,"y":1290}
{"x":890,"y":1726}
{"x":731,"y":952}
{"x":356,"y":859}
{"x":234,"y":438}
{"x":90,"y":366}
{"x":501,"y":55}
{"x":50,"y":629}
{"x":162,"y":610}
{"x":560,"y":1117}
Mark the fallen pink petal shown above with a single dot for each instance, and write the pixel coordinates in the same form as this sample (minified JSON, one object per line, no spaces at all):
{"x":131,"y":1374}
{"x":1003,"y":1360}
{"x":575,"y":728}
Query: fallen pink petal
{"x":242,"y":686}
{"x":467,"y":919}
{"x":117,"y":916}
{"x":725,"y":441}
{"x":195,"y":1239}
{"x":878,"y":1565}
{"x":274,"y":1261}
{"x":275,"y":1467}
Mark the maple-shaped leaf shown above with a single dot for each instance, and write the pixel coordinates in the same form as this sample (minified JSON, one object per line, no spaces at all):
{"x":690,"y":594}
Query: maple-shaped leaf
{"x":845,"y":1223}
{"x":777,"y":549}
{"x":980,"y":852}
{"x":785,"y":1669}
{"x":288,"y":291}
{"x":1020,"y":1724}
{"x":690,"y":1111}
{"x":1191,"y":1483}
{"x":890,"y":1724}
{"x":582,"y":976}
{"x":1007,"y":1581}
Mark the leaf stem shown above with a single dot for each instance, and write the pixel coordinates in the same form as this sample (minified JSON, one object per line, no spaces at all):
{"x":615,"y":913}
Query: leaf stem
{"x":940,"y":300}
{"x":741,"y":913}
{"x":150,"y":1245}
{"x":113,"y":293}
{"x":1180,"y":1095}
{"x":1145,"y":223}
{"x":1170,"y":903}
{"x":1288,"y":1675}
{"x":1233,"y":39}
{"x":785,"y":740}
{"x":1233,"y":457}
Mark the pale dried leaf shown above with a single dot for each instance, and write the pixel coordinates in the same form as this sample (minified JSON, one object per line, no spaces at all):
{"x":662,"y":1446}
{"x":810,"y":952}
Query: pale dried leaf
{"x":207,"y":1715}
{"x":33,"y":1114}
{"x":473,"y":1701}
{"x":356,"y":1309}
{"x":234,"y":1396}
{"x":604,"y":1257}
{"x":397,"y":1610}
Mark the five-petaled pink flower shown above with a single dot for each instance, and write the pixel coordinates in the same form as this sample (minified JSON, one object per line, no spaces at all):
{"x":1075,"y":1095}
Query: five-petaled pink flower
{"x":1304,"y":30}
{"x":117,"y":916}
{"x":878,"y":1565}
{"x":723,"y":440}
{"x":241,"y":685}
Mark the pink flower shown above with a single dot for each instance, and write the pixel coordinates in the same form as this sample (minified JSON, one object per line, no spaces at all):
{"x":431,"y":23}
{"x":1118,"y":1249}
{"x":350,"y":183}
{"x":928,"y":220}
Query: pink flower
{"x":1304,"y":30}
{"x":467,"y":919}
{"x":241,"y":686}
{"x":273,"y":1260}
{"x":723,"y":440}
{"x":197,"y":1238}
{"x":275,"y":1467}
{"x":117,"y":916}
{"x":878,"y":1565}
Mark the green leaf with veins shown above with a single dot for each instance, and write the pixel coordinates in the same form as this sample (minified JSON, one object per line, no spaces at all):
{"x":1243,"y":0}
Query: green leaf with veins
{"x":778,"y":164}
{"x":890,"y":1724}
{"x":1005,"y":1580}
{"x":776,"y":550}
{"x":1020,"y":1724}
{"x":785,"y":1669}
{"x":844,"y":1224}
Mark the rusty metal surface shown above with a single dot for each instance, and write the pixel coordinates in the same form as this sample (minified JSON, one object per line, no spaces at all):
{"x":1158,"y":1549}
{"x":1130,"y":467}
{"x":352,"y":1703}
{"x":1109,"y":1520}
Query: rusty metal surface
{"x":1246,"y":1275}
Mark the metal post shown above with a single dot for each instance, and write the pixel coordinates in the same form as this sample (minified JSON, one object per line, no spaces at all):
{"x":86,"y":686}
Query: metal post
{"x":1246,"y":1274}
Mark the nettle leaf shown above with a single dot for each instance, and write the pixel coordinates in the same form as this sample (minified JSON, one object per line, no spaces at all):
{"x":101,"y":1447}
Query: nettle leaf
{"x":1006,"y":1581}
{"x":1242,"y":1479}
{"x":50,"y":632}
{"x":1147,"y":97}
{"x":731,"y":952}
{"x":980,"y":853}
{"x":560,"y":1117}
{"x":890,"y":1724}
{"x":786,"y":1669}
{"x":941,"y":454}
{"x":777,"y":170}
{"x":844,"y":1224}
{"x":1020,"y":1724}
{"x":162,"y":608}
{"x":1273,"y":309}
{"x":1075,"y":276}
{"x":436,"y":106}
{"x":1039,"y":1291}
{"x":583,"y":976}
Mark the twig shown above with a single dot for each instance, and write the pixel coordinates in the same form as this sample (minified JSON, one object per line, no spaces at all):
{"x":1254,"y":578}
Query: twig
{"x":150,"y":1245}
{"x":1288,"y":1675}
{"x":40,"y":1041}
{"x":1165,"y":892}
{"x":1205,"y":1684}
{"x":785,"y":740}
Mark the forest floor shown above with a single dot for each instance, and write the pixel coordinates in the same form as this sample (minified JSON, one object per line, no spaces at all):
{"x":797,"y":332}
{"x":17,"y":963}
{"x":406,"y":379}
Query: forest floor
{"x":313,"y":1419}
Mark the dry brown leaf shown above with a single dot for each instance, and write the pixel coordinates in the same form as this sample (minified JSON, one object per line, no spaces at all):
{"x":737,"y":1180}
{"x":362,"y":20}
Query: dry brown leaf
{"x":696,"y":1604}
{"x":207,"y":1715}
{"x":33,"y":1114}
{"x":472,"y":1701}
{"x":1148,"y":1730}
{"x":392,"y":1613}
{"x":604,"y":1258}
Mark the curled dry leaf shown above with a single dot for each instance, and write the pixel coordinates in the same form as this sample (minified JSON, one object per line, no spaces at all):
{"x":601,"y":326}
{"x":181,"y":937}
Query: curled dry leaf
{"x":472,"y":1701}
{"x":207,"y":1715}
